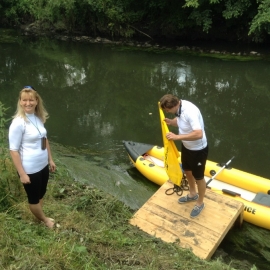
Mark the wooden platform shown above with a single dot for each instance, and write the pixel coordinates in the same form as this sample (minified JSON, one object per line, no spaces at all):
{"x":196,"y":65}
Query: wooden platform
{"x":163,"y":217}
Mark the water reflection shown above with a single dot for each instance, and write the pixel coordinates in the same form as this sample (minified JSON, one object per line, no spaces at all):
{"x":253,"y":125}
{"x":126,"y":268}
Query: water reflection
{"x":74,"y":75}
{"x":98,"y":95}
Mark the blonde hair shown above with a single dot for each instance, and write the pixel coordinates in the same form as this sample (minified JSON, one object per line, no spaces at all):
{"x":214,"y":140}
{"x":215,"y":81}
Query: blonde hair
{"x":40,"y":110}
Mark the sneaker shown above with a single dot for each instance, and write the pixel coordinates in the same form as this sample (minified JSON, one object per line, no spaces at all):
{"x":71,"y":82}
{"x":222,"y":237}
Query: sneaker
{"x":196,"y":210}
{"x":186,"y":199}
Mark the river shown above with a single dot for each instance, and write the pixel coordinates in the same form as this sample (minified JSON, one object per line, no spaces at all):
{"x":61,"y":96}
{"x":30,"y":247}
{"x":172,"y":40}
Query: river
{"x":99,"y":95}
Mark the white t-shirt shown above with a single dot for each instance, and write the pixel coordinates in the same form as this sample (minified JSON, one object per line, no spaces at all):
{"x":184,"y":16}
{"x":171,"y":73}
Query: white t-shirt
{"x":25,"y":137}
{"x":189,"y":120}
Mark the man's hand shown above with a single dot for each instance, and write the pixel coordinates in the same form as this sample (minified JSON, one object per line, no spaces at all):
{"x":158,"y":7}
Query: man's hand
{"x":171,"y":136}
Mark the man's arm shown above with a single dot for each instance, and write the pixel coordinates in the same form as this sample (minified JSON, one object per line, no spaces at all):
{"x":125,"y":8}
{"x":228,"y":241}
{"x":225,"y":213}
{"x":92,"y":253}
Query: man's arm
{"x":192,"y":136}
{"x":171,"y":122}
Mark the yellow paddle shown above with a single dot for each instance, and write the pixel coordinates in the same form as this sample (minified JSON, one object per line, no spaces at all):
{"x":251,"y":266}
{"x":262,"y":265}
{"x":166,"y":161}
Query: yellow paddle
{"x":171,"y":153}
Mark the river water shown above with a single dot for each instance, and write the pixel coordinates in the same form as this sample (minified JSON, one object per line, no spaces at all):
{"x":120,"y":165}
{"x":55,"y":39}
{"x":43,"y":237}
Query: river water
{"x":99,"y":95}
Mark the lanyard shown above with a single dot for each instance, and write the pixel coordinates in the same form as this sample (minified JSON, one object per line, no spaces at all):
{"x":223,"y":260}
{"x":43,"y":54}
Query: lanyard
{"x":179,"y":110}
{"x":35,"y":125}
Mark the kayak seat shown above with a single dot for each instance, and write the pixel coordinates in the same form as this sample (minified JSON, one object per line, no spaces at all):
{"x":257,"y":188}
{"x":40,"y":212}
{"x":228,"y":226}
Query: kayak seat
{"x":262,"y":198}
{"x":156,"y":161}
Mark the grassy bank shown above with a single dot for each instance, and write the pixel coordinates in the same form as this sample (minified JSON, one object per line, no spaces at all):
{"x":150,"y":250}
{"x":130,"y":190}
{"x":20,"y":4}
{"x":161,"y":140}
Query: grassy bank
{"x":92,"y":229}
{"x":92,"y":232}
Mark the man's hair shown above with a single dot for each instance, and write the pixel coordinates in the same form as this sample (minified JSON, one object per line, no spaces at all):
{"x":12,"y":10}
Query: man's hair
{"x":168,"y":101}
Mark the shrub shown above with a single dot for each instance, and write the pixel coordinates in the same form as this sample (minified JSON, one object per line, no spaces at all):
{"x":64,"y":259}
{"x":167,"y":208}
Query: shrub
{"x":9,"y":184}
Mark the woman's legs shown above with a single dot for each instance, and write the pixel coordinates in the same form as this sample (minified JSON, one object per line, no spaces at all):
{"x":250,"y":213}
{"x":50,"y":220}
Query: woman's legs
{"x":36,"y":190}
{"x":37,"y":211}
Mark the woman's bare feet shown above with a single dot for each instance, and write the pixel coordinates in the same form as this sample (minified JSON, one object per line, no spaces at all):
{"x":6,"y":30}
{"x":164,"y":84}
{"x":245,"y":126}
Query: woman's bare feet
{"x":49,"y":222}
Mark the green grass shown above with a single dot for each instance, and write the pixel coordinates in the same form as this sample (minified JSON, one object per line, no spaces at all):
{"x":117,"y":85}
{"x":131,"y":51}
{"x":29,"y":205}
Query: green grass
{"x":92,"y":228}
{"x":92,"y":232}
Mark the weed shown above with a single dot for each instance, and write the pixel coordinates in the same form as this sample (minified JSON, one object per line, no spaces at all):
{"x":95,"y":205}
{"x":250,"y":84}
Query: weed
{"x":10,"y":189}
{"x":93,"y":231}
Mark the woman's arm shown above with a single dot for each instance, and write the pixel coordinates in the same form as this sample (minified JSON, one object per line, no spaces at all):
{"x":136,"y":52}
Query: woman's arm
{"x":50,"y":160}
{"x":18,"y":164}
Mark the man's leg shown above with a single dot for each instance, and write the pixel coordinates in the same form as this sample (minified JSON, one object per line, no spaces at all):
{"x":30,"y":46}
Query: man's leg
{"x":201,"y":190}
{"x":191,"y":183}
{"x":201,"y":185}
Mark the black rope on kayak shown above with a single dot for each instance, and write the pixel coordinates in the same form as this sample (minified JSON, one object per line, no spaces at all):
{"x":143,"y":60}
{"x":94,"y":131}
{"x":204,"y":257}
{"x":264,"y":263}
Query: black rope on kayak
{"x":178,"y":189}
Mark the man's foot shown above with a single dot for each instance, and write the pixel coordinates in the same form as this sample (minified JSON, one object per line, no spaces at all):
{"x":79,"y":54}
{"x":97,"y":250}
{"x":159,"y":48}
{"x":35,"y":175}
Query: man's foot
{"x":186,"y":199}
{"x":196,"y":210}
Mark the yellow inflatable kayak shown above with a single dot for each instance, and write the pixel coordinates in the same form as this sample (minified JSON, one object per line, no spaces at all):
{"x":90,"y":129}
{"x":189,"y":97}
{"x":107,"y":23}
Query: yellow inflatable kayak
{"x":252,"y":190}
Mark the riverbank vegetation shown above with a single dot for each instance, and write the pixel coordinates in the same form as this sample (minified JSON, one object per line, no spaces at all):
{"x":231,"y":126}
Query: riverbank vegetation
{"x":92,"y":229}
{"x":240,"y":20}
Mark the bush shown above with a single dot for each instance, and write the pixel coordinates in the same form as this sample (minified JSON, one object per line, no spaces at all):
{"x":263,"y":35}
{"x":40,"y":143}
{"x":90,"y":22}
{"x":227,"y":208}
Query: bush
{"x":10,"y":186}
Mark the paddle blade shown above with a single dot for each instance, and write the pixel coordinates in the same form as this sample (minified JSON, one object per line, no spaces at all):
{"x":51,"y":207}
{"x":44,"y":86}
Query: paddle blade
{"x":171,"y":153}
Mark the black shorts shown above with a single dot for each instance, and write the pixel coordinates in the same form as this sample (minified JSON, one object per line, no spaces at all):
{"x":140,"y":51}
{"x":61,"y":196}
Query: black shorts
{"x":37,"y":189}
{"x":194,"y":161}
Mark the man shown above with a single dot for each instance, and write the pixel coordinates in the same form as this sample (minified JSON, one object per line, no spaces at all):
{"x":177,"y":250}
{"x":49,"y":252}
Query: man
{"x":194,"y":146}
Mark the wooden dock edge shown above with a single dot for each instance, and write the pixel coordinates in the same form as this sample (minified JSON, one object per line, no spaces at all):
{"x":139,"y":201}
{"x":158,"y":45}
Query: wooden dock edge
{"x":163,"y":217}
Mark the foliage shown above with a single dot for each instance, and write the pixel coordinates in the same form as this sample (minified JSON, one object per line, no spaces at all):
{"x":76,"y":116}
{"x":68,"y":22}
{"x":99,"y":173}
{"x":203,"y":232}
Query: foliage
{"x":9,"y":188}
{"x":260,"y":25}
{"x":240,"y":19}
{"x":236,"y":9}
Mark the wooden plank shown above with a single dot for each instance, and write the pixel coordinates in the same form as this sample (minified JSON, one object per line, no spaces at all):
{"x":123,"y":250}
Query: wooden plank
{"x":163,"y":217}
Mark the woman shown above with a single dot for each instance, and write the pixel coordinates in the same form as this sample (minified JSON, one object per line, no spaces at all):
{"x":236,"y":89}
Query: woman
{"x":30,"y":150}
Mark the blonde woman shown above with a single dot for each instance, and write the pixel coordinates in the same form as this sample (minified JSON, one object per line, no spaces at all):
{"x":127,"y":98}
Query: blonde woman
{"x":30,"y":150}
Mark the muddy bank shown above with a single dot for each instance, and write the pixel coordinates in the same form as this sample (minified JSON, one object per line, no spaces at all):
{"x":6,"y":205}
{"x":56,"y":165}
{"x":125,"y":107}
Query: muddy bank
{"x":213,"y":48}
{"x":99,"y":174}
